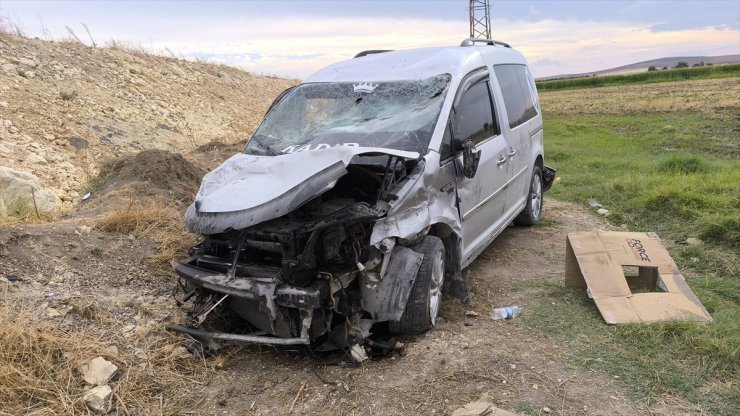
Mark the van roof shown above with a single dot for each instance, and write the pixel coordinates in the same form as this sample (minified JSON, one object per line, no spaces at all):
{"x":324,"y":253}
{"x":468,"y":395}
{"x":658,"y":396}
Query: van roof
{"x":417,"y":63}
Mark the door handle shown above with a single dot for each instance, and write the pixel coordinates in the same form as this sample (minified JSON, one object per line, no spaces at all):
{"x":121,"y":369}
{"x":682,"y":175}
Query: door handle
{"x":501,"y":161}
{"x":512,"y":152}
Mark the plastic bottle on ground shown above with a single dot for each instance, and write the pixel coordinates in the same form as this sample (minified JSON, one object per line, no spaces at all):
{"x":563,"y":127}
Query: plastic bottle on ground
{"x":506,"y":312}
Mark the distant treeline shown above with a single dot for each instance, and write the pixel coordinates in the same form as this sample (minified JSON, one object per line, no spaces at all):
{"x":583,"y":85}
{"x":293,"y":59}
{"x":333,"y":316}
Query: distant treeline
{"x":702,"y":72}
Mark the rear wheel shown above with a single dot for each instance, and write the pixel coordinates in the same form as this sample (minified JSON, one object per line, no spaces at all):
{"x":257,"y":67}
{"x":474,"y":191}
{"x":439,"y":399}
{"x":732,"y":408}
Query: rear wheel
{"x":533,"y":210}
{"x":424,"y":301}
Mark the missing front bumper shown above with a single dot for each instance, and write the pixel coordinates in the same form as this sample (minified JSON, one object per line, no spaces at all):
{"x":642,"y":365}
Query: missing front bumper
{"x":281,"y":314}
{"x":269,"y":289}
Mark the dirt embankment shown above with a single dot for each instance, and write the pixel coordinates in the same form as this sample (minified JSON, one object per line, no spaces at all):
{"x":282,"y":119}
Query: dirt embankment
{"x":65,"y":107}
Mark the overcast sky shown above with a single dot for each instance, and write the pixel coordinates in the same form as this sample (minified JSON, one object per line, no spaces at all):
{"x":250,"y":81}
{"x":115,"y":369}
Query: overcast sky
{"x":295,"y":38}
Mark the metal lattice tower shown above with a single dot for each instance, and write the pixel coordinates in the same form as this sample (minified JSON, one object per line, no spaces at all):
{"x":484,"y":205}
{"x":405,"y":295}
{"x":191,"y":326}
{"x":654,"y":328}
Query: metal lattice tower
{"x":480,"y":19}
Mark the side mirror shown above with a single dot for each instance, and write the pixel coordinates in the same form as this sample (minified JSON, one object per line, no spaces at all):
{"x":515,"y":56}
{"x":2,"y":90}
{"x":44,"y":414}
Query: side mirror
{"x":471,"y":159}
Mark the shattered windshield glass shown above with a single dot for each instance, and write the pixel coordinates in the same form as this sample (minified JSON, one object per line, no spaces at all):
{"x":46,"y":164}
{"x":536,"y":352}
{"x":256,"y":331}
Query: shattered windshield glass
{"x":395,"y":114}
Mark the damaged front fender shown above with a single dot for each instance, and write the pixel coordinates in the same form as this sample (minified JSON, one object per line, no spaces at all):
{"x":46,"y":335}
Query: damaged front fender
{"x":385,"y":298}
{"x":428,"y":198}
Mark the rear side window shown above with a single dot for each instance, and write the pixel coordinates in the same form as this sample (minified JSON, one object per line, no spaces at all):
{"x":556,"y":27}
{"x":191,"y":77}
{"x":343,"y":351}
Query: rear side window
{"x":475,"y":114}
{"x":518,"y":95}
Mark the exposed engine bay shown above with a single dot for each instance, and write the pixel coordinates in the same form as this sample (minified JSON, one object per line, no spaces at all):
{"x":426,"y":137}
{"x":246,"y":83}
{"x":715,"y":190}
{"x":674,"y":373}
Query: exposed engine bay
{"x":310,"y":276}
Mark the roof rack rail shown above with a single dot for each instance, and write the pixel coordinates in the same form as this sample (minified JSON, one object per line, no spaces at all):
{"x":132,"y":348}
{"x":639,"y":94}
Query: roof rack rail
{"x":372,"y":52}
{"x":473,"y":41}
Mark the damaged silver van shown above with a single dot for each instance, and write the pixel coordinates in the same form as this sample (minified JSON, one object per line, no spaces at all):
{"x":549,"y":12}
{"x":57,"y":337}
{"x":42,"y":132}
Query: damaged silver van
{"x":363,"y":189}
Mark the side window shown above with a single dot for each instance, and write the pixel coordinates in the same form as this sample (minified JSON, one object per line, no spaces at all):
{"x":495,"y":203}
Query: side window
{"x":532,"y":88}
{"x":475,"y":114}
{"x":518,"y":96}
{"x":529,"y":109}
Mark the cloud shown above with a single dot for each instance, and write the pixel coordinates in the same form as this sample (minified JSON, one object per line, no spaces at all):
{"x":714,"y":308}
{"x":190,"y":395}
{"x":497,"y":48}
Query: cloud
{"x":309,"y":45}
{"x":546,"y":62}
{"x":552,"y":46}
{"x":583,"y":46}
{"x":558,"y":41}
{"x":534,"y":12}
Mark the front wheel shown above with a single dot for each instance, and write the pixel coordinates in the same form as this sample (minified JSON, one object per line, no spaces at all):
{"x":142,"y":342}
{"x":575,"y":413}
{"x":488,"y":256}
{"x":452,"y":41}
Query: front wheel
{"x":422,"y":307}
{"x":533,"y":210}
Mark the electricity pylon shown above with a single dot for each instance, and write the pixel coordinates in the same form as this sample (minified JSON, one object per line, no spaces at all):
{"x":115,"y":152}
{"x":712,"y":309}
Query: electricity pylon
{"x":480,"y":19}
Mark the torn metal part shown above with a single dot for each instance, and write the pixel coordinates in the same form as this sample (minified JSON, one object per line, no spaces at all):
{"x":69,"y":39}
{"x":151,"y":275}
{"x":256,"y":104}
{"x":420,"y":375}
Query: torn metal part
{"x":255,"y":339}
{"x":422,"y":201}
{"x":386,"y":300}
{"x":202,"y":317}
{"x":358,"y":354}
{"x":381,"y":349}
{"x":548,"y":178}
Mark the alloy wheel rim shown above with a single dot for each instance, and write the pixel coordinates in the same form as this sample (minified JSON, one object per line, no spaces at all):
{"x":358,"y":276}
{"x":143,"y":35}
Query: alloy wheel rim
{"x":435,"y":287}
{"x":536,"y":196}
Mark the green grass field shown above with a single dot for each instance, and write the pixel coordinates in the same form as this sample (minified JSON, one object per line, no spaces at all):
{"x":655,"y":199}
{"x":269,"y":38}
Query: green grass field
{"x":704,"y":72}
{"x":673,"y":172}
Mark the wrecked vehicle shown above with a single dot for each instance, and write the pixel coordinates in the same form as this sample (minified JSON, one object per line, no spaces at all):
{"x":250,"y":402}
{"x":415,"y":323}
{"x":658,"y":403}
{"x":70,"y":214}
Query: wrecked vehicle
{"x":365,"y":188}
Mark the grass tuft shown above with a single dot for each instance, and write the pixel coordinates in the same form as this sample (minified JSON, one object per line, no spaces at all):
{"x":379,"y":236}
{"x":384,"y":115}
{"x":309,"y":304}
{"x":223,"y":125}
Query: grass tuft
{"x":156,"y":221}
{"x":721,"y":229}
{"x":684,"y":165}
{"x":22,"y":211}
{"x":20,"y":208}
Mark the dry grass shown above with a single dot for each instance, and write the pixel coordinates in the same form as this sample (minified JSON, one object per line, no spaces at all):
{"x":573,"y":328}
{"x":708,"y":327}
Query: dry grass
{"x":39,"y":369}
{"x":22,"y":212}
{"x":156,"y":221}
{"x":704,"y":96}
{"x":8,"y":27}
{"x":127,"y":47}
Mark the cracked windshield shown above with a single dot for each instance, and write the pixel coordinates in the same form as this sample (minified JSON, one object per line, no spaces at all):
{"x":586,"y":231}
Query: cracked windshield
{"x":397,"y":115}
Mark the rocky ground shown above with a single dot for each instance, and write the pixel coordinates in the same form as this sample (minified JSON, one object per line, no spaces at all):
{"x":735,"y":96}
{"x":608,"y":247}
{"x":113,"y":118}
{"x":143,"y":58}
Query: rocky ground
{"x":65,"y":107}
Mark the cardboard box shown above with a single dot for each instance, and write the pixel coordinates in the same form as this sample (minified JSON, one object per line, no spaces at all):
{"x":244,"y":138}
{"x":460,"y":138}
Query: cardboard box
{"x":631,"y":277}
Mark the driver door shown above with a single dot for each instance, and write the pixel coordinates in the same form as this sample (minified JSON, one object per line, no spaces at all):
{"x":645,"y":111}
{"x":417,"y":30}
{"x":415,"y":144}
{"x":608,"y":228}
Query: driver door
{"x":482,"y":198}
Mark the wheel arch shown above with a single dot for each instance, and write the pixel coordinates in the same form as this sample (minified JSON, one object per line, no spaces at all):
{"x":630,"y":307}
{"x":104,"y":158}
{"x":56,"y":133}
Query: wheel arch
{"x":452,"y":243}
{"x":539,"y":161}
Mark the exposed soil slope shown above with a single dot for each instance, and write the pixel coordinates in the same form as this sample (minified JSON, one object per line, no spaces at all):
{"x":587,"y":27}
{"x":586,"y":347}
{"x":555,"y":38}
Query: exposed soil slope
{"x":65,"y":107}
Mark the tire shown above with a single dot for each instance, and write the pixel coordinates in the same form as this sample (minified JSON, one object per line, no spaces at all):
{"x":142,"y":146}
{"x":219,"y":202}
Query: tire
{"x":533,"y":210}
{"x":423,"y":304}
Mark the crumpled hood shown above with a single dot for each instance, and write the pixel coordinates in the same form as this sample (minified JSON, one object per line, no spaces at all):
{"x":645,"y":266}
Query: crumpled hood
{"x":246,"y":189}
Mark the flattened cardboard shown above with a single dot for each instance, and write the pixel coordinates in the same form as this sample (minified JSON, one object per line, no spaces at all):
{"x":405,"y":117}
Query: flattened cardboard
{"x":594,"y":260}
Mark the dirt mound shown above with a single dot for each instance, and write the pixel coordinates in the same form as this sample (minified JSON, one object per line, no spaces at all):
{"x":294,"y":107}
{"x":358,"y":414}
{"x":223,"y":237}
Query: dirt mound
{"x":134,"y":181}
{"x":212,"y":154}
{"x":166,"y":170}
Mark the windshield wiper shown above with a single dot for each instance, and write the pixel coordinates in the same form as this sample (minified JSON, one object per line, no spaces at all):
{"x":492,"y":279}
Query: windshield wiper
{"x":268,"y":150}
